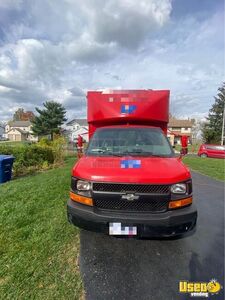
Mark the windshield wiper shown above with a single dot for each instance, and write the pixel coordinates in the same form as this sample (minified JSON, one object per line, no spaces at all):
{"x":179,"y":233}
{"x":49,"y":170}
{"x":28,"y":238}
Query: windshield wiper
{"x":102,"y":151}
{"x":114,"y":153}
{"x":138,"y":152}
{"x":134,"y":152}
{"x":159,"y":155}
{"x":144,"y":153}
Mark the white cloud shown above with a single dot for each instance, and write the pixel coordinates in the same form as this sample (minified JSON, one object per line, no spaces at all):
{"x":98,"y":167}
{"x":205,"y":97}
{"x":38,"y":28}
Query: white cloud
{"x":61,"y":49}
{"x":15,"y":4}
{"x":126,"y":22}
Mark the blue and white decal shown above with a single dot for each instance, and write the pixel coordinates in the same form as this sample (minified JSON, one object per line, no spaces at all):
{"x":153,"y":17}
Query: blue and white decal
{"x":130,"y":164}
{"x":128,"y":109}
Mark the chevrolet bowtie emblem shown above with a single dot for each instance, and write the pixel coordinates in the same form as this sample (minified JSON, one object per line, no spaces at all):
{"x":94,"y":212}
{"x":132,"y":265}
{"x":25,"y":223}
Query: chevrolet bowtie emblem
{"x":130,"y":197}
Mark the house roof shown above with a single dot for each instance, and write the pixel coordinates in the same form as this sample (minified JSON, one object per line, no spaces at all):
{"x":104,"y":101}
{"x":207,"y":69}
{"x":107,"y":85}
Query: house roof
{"x":81,"y":129}
{"x":81,"y":122}
{"x":66,"y":131}
{"x":19,"y":123}
{"x":173,"y":122}
{"x":20,"y":130}
{"x":178,"y":133}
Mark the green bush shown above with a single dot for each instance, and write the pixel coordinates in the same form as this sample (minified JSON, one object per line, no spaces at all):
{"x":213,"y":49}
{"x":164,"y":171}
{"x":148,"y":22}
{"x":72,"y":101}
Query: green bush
{"x":29,"y":158}
{"x":32,"y":157}
{"x":44,"y":142}
{"x":58,"y":149}
{"x":57,"y":146}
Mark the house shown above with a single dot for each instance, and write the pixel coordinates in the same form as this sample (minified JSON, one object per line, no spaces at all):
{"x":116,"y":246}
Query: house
{"x":22,"y":131}
{"x":17,"y":135}
{"x":176,"y":128}
{"x":2,"y":131}
{"x":74,"y":128}
{"x":179,"y":127}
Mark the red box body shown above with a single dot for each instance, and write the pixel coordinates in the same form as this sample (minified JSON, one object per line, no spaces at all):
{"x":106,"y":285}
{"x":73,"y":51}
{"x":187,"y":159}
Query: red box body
{"x":140,"y":107}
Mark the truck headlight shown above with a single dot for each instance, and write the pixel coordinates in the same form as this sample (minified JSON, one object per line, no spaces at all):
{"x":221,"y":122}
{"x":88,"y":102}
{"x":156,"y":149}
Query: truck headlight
{"x":83,"y":185}
{"x":179,"y":188}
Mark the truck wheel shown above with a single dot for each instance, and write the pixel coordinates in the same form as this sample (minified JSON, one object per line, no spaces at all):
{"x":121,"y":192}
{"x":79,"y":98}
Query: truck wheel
{"x":203,"y":155}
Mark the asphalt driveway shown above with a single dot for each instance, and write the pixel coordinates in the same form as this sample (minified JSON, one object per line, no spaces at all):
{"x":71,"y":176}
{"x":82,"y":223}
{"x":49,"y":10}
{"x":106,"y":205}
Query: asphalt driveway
{"x":115,"y":268}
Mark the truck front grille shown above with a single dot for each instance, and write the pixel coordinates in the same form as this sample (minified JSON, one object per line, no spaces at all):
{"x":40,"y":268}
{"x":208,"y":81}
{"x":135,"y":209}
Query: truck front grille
{"x":131,"y":188}
{"x":146,"y":205}
{"x":152,"y":198}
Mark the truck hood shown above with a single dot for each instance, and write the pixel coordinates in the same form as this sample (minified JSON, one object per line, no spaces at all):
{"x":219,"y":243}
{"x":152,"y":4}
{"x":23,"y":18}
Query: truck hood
{"x":129,"y":169}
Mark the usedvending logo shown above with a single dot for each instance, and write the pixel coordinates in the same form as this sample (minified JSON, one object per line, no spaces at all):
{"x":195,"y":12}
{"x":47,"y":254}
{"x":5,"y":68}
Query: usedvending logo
{"x":200,"y":289}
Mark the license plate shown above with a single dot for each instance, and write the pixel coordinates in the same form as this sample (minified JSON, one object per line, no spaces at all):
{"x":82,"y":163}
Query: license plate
{"x":119,"y":229}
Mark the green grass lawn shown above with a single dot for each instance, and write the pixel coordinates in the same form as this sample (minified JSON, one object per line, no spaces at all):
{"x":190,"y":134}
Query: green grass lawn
{"x":191,"y":148}
{"x":212,"y":167}
{"x":38,"y":248}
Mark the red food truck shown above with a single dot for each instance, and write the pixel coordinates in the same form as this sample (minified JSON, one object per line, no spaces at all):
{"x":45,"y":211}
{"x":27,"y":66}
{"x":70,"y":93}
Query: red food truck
{"x":129,"y":181}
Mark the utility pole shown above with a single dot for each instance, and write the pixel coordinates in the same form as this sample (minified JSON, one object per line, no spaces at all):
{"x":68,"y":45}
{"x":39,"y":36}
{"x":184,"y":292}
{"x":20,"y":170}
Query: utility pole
{"x":222,"y":135}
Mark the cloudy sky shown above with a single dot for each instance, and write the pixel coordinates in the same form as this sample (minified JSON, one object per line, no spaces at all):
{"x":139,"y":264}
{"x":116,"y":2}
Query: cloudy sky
{"x":60,"y":49}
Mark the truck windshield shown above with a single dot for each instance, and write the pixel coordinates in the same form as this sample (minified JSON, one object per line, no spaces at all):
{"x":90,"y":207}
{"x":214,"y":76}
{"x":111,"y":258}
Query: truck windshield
{"x":129,"y":141}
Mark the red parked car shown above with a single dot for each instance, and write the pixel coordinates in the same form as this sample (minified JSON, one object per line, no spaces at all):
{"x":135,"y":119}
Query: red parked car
{"x":215,"y":151}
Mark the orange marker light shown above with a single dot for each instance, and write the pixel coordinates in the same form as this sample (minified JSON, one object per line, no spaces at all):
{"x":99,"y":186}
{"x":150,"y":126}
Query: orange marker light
{"x":180,"y":203}
{"x":81,"y":199}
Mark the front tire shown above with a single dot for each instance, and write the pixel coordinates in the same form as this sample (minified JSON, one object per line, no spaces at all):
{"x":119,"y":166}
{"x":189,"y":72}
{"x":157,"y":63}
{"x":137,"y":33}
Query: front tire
{"x":203,"y":155}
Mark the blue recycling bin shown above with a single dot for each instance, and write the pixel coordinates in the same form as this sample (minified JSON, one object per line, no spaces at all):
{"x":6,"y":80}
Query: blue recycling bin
{"x":6,"y":164}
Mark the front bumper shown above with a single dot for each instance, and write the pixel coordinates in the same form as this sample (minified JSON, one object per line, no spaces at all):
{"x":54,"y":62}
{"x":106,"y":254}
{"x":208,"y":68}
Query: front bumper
{"x":166,"y":224}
